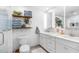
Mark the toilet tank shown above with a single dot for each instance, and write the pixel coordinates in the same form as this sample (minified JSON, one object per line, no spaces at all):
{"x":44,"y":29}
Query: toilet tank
{"x":31,"y":40}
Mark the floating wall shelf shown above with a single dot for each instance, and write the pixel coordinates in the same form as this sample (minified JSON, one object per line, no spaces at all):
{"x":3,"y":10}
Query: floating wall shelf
{"x":22,"y":16}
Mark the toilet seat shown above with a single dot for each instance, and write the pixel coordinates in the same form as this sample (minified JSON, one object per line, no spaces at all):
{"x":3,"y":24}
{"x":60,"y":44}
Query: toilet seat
{"x":24,"y":49}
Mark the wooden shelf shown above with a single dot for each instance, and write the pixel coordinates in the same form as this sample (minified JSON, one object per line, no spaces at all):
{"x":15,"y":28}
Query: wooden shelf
{"x":23,"y":28}
{"x":22,"y":16}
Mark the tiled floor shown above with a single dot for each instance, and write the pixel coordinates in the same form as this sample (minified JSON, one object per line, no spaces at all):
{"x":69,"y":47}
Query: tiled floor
{"x":38,"y":49}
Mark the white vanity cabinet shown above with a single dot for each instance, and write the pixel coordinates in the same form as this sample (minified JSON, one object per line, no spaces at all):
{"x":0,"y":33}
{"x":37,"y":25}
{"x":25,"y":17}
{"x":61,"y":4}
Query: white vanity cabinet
{"x":47,"y":42}
{"x":59,"y":44}
{"x":65,"y":46}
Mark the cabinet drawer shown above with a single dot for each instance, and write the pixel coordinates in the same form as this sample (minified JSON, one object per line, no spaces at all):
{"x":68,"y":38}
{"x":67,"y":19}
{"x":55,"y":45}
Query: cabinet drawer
{"x":68,"y":43}
{"x":71,"y":44}
{"x":47,"y":43}
{"x":61,"y":48}
{"x":42,"y":41}
{"x":64,"y":48}
{"x":60,"y":40}
{"x":47,"y":36}
{"x":71,"y":50}
{"x":51,"y":44}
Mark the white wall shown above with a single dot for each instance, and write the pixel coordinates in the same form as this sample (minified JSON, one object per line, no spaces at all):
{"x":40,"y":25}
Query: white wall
{"x":37,"y":18}
{"x":49,"y":20}
{"x":31,"y":38}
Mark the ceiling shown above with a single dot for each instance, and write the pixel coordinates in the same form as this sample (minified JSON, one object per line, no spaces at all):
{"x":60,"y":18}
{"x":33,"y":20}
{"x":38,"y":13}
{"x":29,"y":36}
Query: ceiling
{"x":59,"y":10}
{"x":72,"y":11}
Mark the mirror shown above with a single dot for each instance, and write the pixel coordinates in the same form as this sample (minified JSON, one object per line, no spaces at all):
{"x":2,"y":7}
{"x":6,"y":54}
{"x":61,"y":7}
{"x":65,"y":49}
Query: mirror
{"x":54,"y":17}
{"x":58,"y":22}
{"x":59,"y":17}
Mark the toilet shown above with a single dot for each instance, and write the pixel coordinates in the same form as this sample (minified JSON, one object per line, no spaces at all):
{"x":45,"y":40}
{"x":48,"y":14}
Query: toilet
{"x":24,"y":49}
{"x":25,"y":43}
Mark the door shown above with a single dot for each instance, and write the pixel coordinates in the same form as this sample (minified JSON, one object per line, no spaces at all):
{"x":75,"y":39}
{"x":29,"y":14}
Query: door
{"x":5,"y":32}
{"x":1,"y":38}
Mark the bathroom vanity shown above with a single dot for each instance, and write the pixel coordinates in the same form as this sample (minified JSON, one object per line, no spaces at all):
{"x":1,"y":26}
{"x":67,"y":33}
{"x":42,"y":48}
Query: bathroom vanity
{"x":56,"y":43}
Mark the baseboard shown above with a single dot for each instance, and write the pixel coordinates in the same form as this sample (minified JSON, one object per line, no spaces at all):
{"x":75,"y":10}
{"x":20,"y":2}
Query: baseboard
{"x":41,"y":47}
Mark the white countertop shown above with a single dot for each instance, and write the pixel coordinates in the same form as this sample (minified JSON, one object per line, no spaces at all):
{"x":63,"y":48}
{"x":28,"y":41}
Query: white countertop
{"x":65,"y":37}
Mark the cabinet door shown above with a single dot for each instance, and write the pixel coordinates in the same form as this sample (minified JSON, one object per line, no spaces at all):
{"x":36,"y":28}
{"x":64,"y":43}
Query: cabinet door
{"x":47,"y":42}
{"x":72,"y":44}
{"x":60,"y":48}
{"x":51,"y":45}
{"x":71,"y":50}
{"x":42,"y":41}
